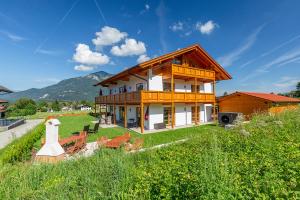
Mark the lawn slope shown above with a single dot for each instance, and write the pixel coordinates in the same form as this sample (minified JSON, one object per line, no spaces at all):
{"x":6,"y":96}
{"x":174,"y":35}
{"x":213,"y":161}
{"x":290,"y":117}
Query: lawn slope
{"x":260,"y":159}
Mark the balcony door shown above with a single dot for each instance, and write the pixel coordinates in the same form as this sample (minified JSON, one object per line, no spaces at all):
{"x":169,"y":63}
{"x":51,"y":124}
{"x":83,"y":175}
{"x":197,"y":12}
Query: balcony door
{"x":168,"y":116}
{"x":121,"y":113}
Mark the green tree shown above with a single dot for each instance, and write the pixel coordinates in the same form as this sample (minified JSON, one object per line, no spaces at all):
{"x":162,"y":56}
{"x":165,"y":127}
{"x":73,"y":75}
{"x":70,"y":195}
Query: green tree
{"x":297,"y":93}
{"x":22,"y":107}
{"x":55,"y":106}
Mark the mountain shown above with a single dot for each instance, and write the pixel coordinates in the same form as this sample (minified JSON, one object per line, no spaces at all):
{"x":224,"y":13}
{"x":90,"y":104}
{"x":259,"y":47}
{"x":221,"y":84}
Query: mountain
{"x":73,"y":89}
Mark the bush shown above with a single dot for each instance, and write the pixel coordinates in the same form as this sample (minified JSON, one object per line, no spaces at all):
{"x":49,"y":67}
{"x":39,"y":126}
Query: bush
{"x":22,"y":107}
{"x":20,"y":149}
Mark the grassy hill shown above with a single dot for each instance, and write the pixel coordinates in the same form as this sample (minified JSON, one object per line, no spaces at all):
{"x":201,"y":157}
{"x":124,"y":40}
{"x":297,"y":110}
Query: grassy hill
{"x":259,"y":160}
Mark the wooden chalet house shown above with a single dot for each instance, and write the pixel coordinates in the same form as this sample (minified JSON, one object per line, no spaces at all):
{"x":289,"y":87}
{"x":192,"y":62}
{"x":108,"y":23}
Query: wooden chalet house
{"x":176,"y":89}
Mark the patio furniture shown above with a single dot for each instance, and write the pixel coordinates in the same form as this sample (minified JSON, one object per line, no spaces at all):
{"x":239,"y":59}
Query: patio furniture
{"x":131,"y":123}
{"x":74,"y":143}
{"x":108,"y":120}
{"x":102,"y":119}
{"x":159,"y":126}
{"x":86,"y":128}
{"x":138,"y":144}
{"x":95,"y":130}
{"x":118,"y":141}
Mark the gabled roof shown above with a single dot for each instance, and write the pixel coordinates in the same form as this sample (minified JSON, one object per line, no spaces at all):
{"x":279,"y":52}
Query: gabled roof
{"x":196,"y":47}
{"x":265,"y":96}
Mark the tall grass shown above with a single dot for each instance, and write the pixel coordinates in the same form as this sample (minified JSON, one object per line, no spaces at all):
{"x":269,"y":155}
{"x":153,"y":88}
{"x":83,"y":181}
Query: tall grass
{"x":215,"y":164}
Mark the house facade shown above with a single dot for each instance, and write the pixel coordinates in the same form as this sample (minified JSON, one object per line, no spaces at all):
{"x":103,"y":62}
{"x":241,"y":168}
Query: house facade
{"x":176,"y":89}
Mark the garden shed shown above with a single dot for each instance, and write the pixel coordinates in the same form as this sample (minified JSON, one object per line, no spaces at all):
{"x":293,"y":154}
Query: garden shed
{"x":249,"y":103}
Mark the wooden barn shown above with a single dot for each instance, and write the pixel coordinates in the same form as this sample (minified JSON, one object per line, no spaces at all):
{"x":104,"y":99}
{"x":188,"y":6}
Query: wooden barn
{"x":252,"y":102}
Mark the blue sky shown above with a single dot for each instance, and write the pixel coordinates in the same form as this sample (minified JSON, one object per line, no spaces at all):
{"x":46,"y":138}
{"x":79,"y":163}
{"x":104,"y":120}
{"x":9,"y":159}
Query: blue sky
{"x":44,"y":41}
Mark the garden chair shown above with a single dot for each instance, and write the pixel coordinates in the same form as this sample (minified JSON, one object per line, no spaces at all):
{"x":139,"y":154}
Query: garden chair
{"x":95,"y":130}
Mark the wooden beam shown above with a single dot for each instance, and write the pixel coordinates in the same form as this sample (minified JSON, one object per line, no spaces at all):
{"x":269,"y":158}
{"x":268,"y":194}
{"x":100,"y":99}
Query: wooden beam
{"x":125,"y":116}
{"x":115,"y":115}
{"x":142,"y":117}
{"x":173,"y":106}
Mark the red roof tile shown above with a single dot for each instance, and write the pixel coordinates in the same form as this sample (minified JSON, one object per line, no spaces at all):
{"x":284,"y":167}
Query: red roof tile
{"x":271,"y":97}
{"x":3,"y":101}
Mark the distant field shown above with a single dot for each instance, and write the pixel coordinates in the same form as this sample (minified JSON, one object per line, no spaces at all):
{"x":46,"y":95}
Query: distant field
{"x":43,"y":115}
{"x":257,"y":160}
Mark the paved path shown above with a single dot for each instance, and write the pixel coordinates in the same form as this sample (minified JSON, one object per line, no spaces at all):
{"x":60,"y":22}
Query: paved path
{"x":7,"y":137}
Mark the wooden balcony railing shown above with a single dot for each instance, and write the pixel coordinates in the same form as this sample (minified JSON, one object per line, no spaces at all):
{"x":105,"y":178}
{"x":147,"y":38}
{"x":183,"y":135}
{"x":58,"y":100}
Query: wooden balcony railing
{"x":193,"y":72}
{"x":156,"y":97}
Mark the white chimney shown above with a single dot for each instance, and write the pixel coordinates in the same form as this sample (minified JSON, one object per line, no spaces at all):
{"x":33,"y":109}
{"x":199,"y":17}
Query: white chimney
{"x":51,"y":147}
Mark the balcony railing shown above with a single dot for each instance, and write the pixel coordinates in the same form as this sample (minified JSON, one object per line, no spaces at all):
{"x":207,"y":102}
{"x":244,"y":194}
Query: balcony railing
{"x":193,"y":72}
{"x":156,"y":97}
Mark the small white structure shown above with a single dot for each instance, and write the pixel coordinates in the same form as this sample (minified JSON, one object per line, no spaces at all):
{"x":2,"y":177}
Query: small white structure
{"x":51,"y":151}
{"x":85,"y":108}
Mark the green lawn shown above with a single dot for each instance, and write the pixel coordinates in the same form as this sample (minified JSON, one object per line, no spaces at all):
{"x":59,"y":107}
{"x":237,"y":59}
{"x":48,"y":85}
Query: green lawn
{"x":71,"y":124}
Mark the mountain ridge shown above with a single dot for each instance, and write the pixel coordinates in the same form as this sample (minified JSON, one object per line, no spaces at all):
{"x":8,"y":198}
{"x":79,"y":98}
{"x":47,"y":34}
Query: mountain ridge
{"x":72,"y":89}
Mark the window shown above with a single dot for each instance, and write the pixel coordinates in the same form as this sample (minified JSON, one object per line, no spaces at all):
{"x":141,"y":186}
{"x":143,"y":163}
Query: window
{"x":176,"y":61}
{"x":121,"y":90}
{"x":167,"y":86}
{"x":139,"y":86}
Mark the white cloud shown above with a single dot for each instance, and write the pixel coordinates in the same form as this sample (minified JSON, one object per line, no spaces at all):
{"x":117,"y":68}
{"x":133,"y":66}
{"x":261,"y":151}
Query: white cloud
{"x":11,"y":36}
{"x":130,"y":48}
{"x":147,"y":7}
{"x":287,"y":82}
{"x":108,"y":36}
{"x":85,"y":56}
{"x":177,"y":26}
{"x":143,"y":58}
{"x":233,"y":56}
{"x":84,"y":68}
{"x":206,"y":28}
{"x":48,"y":52}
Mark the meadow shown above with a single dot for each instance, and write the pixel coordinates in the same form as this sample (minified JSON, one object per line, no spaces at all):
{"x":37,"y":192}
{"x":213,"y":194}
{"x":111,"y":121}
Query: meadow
{"x":260,"y":159}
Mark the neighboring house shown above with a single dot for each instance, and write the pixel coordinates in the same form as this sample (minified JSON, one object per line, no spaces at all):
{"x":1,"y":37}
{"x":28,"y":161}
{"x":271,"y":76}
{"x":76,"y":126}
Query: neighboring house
{"x":66,"y":108}
{"x":3,"y":105}
{"x":176,"y":89}
{"x":85,"y":108}
{"x":249,"y":103}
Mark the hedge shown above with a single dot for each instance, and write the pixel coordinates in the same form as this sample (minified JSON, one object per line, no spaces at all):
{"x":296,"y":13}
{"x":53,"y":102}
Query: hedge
{"x":20,"y":149}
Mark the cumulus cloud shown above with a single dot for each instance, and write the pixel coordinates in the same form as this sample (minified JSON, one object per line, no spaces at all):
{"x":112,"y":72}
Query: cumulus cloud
{"x":129,"y":48}
{"x":206,"y":28}
{"x":84,"y":55}
{"x":177,"y":26}
{"x":143,"y":58}
{"x":83,"y":68}
{"x":108,"y":36}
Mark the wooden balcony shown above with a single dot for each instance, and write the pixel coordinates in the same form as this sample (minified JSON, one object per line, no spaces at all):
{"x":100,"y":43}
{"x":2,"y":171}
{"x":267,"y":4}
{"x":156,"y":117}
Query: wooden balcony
{"x":180,"y":70}
{"x":156,"y":97}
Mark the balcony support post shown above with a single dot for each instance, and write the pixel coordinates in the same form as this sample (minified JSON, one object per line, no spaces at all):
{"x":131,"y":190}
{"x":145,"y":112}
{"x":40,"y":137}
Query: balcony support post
{"x":173,"y":106}
{"x":142,"y":117}
{"x":125,"y":115}
{"x":114,"y":114}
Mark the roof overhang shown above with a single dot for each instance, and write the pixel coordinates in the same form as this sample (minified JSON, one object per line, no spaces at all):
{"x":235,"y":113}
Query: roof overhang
{"x":223,"y":74}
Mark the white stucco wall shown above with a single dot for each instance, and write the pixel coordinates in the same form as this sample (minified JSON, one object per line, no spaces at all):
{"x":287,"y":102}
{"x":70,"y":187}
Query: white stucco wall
{"x":208,"y":88}
{"x":131,"y":113}
{"x":183,"y":115}
{"x":182,"y":86}
{"x":155,"y":83}
{"x":130,"y":85}
{"x":155,"y":115}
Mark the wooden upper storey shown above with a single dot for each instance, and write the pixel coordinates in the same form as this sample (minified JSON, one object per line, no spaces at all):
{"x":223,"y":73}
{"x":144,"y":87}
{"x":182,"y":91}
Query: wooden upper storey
{"x":191,"y":62}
